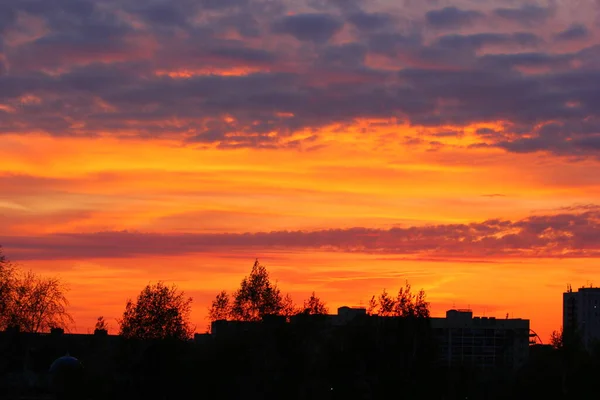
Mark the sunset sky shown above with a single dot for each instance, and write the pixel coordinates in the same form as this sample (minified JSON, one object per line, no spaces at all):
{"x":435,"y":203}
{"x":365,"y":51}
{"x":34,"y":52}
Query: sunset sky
{"x":350,"y":145}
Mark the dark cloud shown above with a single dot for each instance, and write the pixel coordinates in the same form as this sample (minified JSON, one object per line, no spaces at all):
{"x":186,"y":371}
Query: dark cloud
{"x":8,"y":16}
{"x":223,"y":4}
{"x":241,"y":53}
{"x":347,"y":6}
{"x":477,"y":41}
{"x":452,"y":17}
{"x":526,"y":15}
{"x":391,"y":44}
{"x":563,"y":235}
{"x":164,"y":13}
{"x":562,"y":144}
{"x":318,"y":28}
{"x":562,"y":138}
{"x":56,"y":9}
{"x":370,"y":21}
{"x":448,"y":133}
{"x":245,"y":24}
{"x":251,"y":73}
{"x":486,"y":132}
{"x":574,"y":32}
{"x":527,"y":59}
{"x":348,"y":54}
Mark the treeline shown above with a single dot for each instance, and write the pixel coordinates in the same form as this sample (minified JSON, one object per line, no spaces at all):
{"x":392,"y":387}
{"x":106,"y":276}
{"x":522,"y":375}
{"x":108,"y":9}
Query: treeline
{"x":257,"y":297}
{"x":37,"y":303}
{"x":163,"y":312}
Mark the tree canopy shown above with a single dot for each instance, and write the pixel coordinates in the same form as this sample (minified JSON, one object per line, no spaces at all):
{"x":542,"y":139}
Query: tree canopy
{"x":289,"y":308}
{"x":315,"y":306}
{"x":405,"y":304}
{"x":31,"y":302}
{"x":159,"y":312}
{"x":6,"y":283}
{"x":220,"y":308}
{"x":255,"y":298}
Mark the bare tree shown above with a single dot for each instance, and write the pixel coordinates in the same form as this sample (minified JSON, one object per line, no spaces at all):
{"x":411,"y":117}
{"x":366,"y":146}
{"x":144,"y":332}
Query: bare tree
{"x":315,"y":306}
{"x":159,"y":312}
{"x":37,"y":303}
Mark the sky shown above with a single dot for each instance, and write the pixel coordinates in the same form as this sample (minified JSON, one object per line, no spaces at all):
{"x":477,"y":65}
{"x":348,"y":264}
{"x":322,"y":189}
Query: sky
{"x":349,"y":145}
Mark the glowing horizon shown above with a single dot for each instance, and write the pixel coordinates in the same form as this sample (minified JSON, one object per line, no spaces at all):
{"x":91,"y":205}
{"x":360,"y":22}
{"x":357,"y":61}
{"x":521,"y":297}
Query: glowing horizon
{"x":348,"y":147}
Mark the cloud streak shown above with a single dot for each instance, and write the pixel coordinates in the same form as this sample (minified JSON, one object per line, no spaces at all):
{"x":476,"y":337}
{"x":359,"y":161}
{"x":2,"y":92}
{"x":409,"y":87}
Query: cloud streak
{"x":561,"y":235}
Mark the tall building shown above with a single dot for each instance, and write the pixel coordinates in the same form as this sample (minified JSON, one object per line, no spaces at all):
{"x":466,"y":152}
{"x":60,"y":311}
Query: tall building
{"x":480,"y":341}
{"x":581,"y":312}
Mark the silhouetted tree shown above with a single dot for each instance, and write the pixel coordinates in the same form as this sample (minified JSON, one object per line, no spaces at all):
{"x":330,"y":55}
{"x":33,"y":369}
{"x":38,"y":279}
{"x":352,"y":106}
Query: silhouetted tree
{"x":288,"y":307}
{"x":160,"y":312}
{"x":220,"y":309}
{"x":7,"y":275}
{"x":421,"y":308}
{"x":387,"y":304}
{"x":556,"y":339}
{"x":406,"y":304}
{"x":36,"y":303}
{"x":372,"y":306}
{"x":256,"y":297}
{"x":315,"y":306}
{"x":101,"y":324}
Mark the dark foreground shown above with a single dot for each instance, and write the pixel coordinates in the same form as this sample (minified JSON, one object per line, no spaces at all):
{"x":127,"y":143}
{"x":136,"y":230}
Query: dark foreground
{"x":358,"y":362}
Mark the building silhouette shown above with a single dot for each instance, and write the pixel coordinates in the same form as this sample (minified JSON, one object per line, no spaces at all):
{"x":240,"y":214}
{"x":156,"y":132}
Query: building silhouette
{"x":481,"y":342}
{"x":463,"y":340}
{"x":351,"y":351}
{"x":581,"y":314}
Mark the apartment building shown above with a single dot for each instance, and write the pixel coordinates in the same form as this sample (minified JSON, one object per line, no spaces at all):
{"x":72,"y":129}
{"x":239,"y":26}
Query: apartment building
{"x":481,"y":341}
{"x":581,"y":312}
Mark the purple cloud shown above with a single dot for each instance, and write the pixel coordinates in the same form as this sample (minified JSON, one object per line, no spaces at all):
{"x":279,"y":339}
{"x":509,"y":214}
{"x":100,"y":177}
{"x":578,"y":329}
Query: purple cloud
{"x":250,"y":73}
{"x":318,"y":28}
{"x":526,"y":15}
{"x":573,"y":32}
{"x":452,"y":17}
{"x":567,"y":234}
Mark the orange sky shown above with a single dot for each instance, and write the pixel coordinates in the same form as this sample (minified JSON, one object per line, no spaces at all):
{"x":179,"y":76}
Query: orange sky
{"x":91,"y":185}
{"x":357,"y":147}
